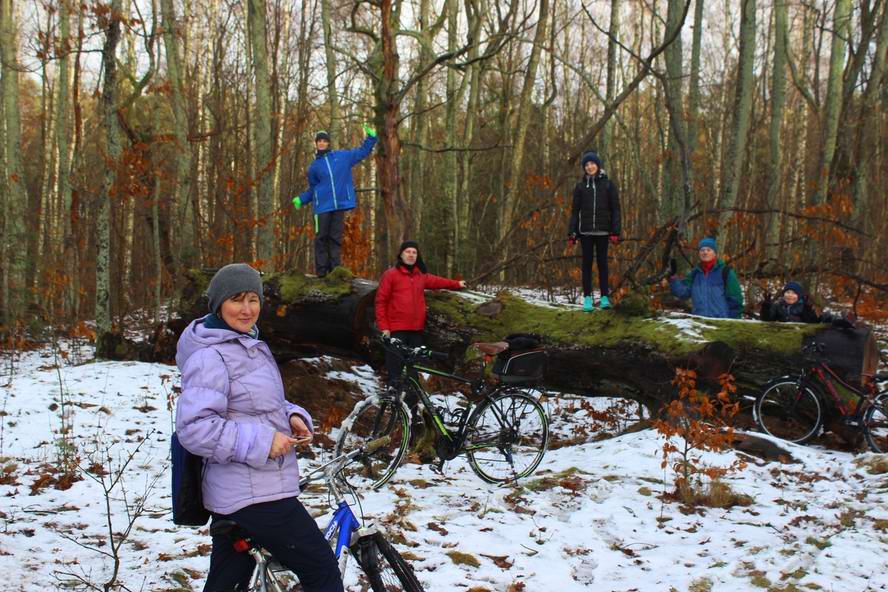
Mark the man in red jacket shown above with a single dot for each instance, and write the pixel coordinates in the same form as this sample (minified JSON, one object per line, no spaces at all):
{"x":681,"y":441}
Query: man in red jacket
{"x":400,"y":301}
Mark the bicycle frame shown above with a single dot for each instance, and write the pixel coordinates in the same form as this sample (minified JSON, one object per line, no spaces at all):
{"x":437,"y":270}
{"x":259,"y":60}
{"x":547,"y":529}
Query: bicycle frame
{"x":824,"y":375}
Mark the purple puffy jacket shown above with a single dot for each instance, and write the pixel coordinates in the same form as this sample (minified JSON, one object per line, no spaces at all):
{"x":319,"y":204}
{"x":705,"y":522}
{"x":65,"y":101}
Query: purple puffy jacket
{"x":231,"y":405}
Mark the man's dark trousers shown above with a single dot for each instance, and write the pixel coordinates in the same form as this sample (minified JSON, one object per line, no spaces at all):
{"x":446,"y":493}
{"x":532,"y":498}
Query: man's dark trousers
{"x":329,"y":227}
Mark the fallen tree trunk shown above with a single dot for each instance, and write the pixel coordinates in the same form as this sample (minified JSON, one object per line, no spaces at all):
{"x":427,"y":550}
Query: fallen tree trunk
{"x":627,"y":352}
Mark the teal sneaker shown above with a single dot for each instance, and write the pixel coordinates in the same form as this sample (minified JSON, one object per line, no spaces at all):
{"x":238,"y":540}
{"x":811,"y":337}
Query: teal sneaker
{"x":587,"y":304}
{"x":604,"y":303}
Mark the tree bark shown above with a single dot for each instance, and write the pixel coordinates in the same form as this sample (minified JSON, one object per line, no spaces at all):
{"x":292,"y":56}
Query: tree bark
{"x":15,"y":235}
{"x":614,"y":353}
{"x":870,"y":118}
{"x":520,"y":124}
{"x":263,"y":139}
{"x":833,"y":106}
{"x":330,"y":59}
{"x":735,"y":155}
{"x":182,"y":203}
{"x":778,"y":99}
{"x":112,"y":157}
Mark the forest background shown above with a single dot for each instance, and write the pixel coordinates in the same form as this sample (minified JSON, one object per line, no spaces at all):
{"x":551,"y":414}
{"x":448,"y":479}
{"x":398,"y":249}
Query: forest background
{"x":144,"y":138}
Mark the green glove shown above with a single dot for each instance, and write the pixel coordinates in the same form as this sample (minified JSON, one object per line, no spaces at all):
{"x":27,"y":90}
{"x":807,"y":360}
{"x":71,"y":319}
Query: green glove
{"x":369,"y":131}
{"x":297,"y":202}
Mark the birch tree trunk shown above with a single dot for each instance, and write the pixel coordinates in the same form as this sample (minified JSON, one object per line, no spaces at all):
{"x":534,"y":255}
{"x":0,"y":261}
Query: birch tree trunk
{"x":108,"y":103}
{"x":182,"y":203}
{"x":63,"y":184}
{"x":262,"y":134}
{"x":778,"y":99}
{"x":833,"y":105}
{"x":736,"y":149}
{"x":15,"y":233}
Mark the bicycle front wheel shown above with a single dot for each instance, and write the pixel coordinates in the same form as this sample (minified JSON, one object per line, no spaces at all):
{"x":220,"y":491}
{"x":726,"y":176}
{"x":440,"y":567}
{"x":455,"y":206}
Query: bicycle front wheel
{"x":507,"y":437}
{"x":875,"y":424}
{"x":373,"y":418}
{"x":789,"y":412}
{"x":384,"y":567}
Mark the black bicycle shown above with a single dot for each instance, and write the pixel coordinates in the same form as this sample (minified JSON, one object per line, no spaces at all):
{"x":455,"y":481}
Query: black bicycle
{"x":795,"y":408}
{"x":383,"y":568}
{"x":502,"y":429}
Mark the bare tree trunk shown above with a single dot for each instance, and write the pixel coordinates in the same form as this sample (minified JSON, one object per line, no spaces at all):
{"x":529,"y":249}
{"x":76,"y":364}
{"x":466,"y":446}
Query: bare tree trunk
{"x":694,"y":82}
{"x":870,"y":118}
{"x":450,"y":161}
{"x":112,"y":158}
{"x":736,"y":150}
{"x":186,"y":254}
{"x":611,"y":81}
{"x":521,"y":124}
{"x":262,"y":135}
{"x":385,"y":62}
{"x":15,"y":232}
{"x":330,"y":58}
{"x":778,"y":99}
{"x":673,"y":182}
{"x":833,"y":106}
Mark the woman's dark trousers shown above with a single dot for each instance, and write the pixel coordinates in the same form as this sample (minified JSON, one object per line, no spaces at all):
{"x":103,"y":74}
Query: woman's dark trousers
{"x":594,"y":249}
{"x":286,"y":530}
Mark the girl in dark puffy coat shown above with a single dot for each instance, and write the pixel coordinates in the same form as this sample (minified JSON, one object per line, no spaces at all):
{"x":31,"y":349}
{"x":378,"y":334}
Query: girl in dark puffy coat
{"x":595,"y":221}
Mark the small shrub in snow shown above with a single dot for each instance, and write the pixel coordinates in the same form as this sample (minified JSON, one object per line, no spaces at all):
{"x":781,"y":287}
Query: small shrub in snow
{"x":699,"y":423}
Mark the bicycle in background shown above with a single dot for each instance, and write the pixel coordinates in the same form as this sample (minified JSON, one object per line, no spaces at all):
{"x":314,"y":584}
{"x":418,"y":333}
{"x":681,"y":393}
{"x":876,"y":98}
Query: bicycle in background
{"x":503,"y":430}
{"x":795,"y":408}
{"x":382,"y":566}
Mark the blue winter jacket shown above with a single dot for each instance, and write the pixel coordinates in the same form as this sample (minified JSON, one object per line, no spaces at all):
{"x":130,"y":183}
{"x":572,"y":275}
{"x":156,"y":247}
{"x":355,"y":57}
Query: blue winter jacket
{"x":712,"y":296}
{"x":330,"y":183}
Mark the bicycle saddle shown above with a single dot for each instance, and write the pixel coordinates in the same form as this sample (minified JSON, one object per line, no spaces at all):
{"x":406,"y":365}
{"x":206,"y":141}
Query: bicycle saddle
{"x":228,"y":529}
{"x":493,"y":348}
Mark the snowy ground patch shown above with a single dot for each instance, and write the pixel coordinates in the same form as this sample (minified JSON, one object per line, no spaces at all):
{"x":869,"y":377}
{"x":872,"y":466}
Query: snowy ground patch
{"x":590,"y":518}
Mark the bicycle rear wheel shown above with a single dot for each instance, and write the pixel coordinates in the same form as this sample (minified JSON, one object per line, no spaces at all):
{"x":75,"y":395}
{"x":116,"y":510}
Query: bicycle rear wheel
{"x":786,"y":411}
{"x":875,"y":424}
{"x":373,"y":418}
{"x":384,"y":567}
{"x":507,"y":437}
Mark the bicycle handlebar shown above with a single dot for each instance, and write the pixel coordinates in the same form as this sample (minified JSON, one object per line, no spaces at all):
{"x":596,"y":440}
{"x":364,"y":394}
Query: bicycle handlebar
{"x":413,"y":353}
{"x":329,"y":470}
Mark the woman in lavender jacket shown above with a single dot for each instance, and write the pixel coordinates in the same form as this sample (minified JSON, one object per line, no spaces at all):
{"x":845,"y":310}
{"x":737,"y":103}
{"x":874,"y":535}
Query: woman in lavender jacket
{"x":232,"y":412}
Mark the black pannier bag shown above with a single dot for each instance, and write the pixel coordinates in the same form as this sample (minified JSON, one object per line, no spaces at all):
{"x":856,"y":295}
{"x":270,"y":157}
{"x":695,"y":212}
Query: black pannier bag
{"x":524,"y":361}
{"x":850,"y":350}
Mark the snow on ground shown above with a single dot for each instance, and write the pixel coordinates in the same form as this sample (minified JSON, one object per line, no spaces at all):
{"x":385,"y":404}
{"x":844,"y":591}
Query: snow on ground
{"x":590,"y":518}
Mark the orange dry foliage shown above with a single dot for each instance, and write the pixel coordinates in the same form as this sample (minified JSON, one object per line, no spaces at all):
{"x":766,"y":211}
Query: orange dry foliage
{"x":702,"y":423}
{"x":356,"y":245}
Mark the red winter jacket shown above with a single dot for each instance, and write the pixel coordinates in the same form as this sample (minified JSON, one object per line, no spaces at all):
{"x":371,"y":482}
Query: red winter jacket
{"x":400,"y":298}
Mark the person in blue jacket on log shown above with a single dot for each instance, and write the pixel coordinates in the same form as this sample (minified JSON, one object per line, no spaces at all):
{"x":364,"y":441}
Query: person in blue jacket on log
{"x":332,"y":191}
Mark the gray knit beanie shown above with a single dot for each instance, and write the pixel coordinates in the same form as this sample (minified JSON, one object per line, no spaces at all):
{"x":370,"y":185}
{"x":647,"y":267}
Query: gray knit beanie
{"x":231,"y":280}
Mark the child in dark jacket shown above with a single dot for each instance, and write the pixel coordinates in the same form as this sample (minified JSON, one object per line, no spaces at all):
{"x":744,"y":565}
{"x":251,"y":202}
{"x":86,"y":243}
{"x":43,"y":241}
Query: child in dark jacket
{"x":792,"y":307}
{"x":594,"y":221}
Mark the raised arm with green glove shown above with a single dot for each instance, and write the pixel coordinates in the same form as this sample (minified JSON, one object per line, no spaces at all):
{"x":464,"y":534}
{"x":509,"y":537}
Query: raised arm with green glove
{"x":369,"y":131}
